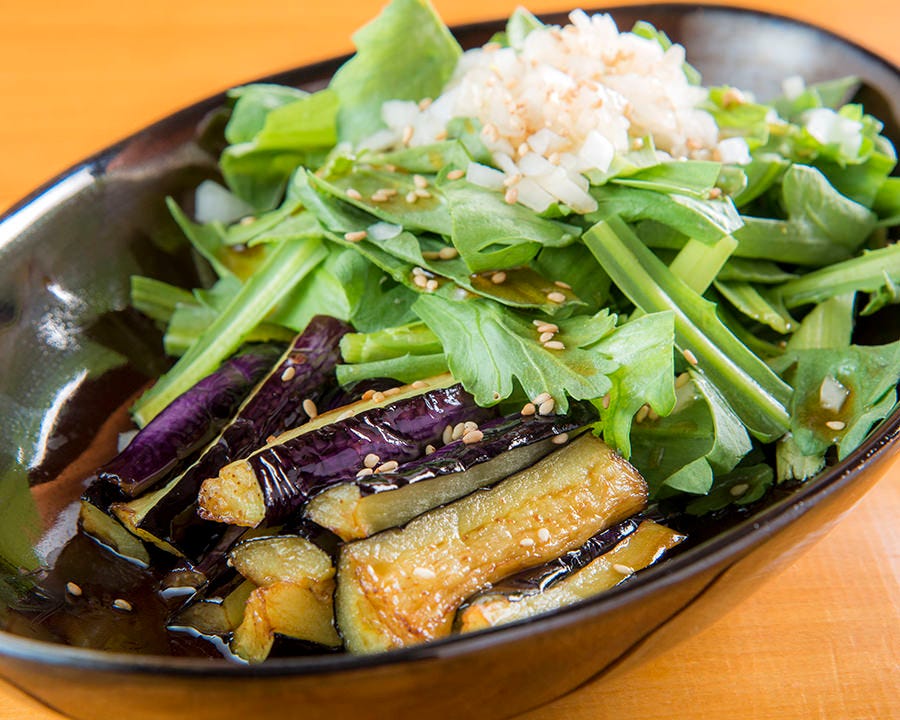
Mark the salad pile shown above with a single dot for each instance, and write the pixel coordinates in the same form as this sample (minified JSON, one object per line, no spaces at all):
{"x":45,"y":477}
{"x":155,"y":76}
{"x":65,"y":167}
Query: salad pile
{"x":563,"y":228}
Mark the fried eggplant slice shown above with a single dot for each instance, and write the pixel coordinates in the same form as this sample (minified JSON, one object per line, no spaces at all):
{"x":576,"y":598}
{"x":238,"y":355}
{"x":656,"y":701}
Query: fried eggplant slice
{"x":303,"y":375}
{"x":403,"y":587}
{"x":640,"y":549}
{"x":394,"y":428}
{"x":364,"y":506}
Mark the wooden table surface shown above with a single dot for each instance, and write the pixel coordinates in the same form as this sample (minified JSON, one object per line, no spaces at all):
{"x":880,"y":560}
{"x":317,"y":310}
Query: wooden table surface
{"x":822,"y":640}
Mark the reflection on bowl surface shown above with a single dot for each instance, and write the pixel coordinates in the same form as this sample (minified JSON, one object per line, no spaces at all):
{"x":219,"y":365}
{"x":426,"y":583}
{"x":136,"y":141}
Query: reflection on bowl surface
{"x":74,"y":356}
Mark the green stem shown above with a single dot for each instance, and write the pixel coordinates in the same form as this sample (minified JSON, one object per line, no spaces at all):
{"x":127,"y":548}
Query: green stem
{"x":413,"y":339}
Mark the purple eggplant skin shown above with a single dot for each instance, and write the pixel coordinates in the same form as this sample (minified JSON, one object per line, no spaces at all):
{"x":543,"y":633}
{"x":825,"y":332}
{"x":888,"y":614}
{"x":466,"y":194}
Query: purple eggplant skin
{"x":289,"y":474}
{"x":306,"y":371}
{"x":188,"y":423}
{"x":501,"y":435}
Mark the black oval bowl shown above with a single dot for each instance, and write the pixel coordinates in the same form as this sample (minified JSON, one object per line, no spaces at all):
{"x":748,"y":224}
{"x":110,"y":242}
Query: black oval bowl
{"x":72,"y":355}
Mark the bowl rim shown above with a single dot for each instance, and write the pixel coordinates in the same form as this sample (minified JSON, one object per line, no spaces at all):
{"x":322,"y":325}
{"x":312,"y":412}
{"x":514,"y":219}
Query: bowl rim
{"x":725,"y":547}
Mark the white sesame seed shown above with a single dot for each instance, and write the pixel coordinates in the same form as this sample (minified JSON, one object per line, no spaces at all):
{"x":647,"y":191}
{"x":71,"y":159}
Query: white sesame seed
{"x":554,"y":345}
{"x":309,"y":407}
{"x":448,"y":253}
{"x":740,"y":489}
{"x":288,"y":374}
{"x":424,"y":194}
{"x":390,"y":167}
{"x":389,"y":466}
{"x":528,"y":409}
{"x":548,"y":328}
{"x":432,"y":285}
{"x":472,"y":437}
{"x":429,"y":449}
{"x":407,"y":134}
{"x":511,"y":196}
{"x":458,"y":430}
{"x":682,"y":380}
{"x":248,"y":220}
{"x":73,"y":589}
{"x":367,"y":395}
{"x":543,"y":397}
{"x":354,"y":194}
{"x":411,"y":197}
{"x":642,"y":414}
{"x":498,"y":278}
{"x":512,"y":180}
{"x":441,"y":135}
{"x":543,"y":535}
{"x":390,"y":392}
{"x":605,"y":401}
{"x":371,"y":460}
{"x":556,"y":297}
{"x":546,"y":407}
{"x":455,"y":174}
{"x":563,"y":285}
{"x":546,"y":337}
{"x":378,"y":396}
{"x":653,"y":415}
{"x":424,"y":573}
{"x":447,"y":435}
{"x":425,"y":103}
{"x":364,"y":472}
{"x":560,"y":439}
{"x":470,"y":425}
{"x":123,"y":605}
{"x":623,"y":569}
{"x":420,"y":182}
{"x":526,"y":542}
{"x":553,"y":158}
{"x":356,"y":236}
{"x":715,"y":193}
{"x":419,"y":384}
{"x":689,"y":356}
{"x":835,"y":424}
{"x":537,"y":323}
{"x":420,"y":281}
{"x":418,"y":271}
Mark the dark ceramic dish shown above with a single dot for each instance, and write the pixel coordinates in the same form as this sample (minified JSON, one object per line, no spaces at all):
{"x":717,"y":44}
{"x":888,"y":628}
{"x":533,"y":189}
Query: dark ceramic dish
{"x":72,"y":355}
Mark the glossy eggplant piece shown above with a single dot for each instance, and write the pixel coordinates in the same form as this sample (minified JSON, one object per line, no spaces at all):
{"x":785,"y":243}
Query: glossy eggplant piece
{"x":370,"y":504}
{"x":277,"y":480}
{"x":403,"y":587}
{"x":188,"y":422}
{"x":168,"y":517}
{"x":293,"y":597}
{"x":558,"y":588}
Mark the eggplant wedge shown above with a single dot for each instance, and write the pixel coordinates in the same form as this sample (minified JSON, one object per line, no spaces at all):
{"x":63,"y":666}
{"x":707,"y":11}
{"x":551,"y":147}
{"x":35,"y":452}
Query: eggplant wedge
{"x":639,"y":549}
{"x":367,"y":505}
{"x":403,"y":587}
{"x":391,"y":427}
{"x":293,"y":597}
{"x":305,"y":374}
{"x":188,"y":423}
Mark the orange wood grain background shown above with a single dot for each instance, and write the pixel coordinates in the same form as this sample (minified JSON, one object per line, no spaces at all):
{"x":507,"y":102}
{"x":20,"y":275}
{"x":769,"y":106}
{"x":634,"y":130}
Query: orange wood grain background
{"x":822,"y":640}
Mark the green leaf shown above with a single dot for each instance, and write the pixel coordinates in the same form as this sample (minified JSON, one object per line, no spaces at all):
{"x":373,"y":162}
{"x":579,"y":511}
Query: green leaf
{"x":282,"y":270}
{"x":411,"y":339}
{"x":298,"y":133}
{"x":406,"y":53}
{"x":157,"y":299}
{"x":762,"y":272}
{"x":755,"y":393}
{"x":405,"y":368}
{"x":519,"y":26}
{"x":742,"y":486}
{"x":489,"y":347}
{"x":870,"y":376}
{"x":491,"y":234}
{"x":867,"y":273}
{"x":757,"y":305}
{"x":643,"y":349}
{"x":253,"y":103}
{"x":694,"y":178}
{"x":704,"y":220}
{"x":700,"y":438}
